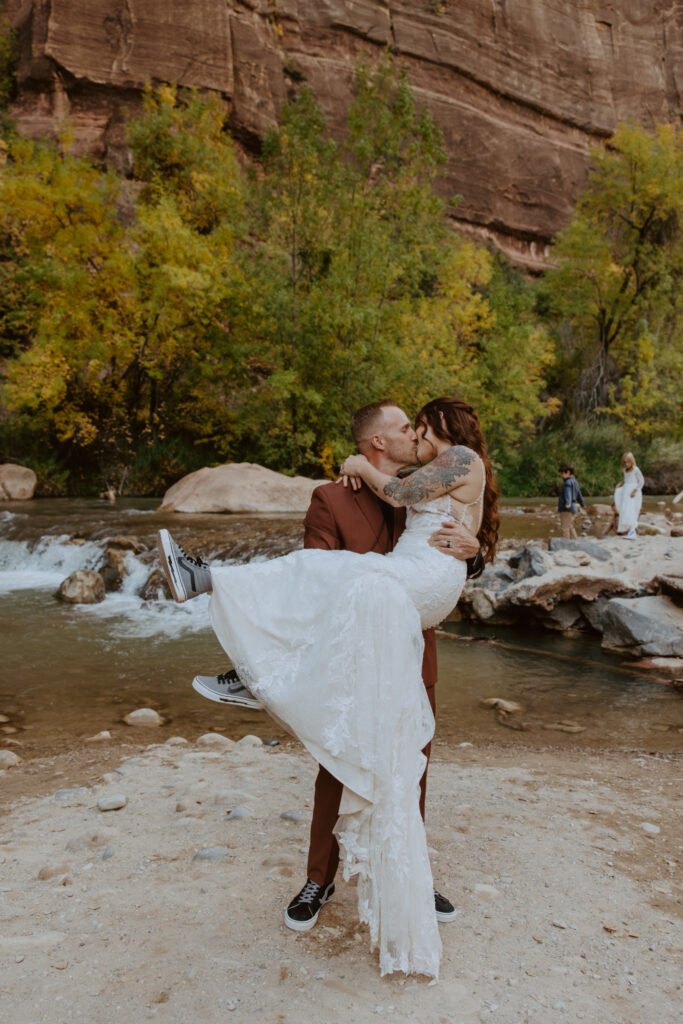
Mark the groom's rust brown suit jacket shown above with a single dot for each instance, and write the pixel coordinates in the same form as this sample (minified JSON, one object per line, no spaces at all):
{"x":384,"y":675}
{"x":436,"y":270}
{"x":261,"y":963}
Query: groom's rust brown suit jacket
{"x":341,"y":518}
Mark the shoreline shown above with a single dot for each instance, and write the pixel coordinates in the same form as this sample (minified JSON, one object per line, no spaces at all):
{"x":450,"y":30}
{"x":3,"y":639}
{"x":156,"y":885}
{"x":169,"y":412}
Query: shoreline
{"x":562,"y":866}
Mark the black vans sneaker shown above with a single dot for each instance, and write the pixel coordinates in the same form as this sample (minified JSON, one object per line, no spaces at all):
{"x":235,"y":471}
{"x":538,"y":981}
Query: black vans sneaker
{"x":302,"y":912}
{"x":445,"y":911}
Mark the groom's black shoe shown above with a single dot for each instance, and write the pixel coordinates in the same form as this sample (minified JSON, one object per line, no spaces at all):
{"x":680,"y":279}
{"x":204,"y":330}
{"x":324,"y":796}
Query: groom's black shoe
{"x":445,"y":911}
{"x":302,"y":912}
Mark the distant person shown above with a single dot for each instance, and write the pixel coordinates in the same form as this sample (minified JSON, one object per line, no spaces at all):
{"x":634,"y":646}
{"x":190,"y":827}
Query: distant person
{"x":628,"y":497}
{"x":570,"y":494}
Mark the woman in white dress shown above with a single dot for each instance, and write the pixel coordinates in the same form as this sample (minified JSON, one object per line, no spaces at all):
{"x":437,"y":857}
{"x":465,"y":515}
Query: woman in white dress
{"x":628,"y":497}
{"x":331,"y":644}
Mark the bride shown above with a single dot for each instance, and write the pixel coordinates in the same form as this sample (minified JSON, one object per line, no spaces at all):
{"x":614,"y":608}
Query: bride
{"x":331,"y":644}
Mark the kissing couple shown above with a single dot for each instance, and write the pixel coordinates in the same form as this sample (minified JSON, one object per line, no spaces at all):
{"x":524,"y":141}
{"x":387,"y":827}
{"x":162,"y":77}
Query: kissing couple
{"x":330,"y":641}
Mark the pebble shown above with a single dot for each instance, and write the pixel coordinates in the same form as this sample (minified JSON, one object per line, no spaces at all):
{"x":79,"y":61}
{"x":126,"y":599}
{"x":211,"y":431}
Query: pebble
{"x":8,"y":759}
{"x":108,"y":852}
{"x":5,"y":718}
{"x":51,"y":871}
{"x":87,"y":841}
{"x":239,"y":812}
{"x":271,"y":742}
{"x":559,"y":924}
{"x":648,"y":827}
{"x":211,"y":853}
{"x":176,"y":741}
{"x":99,"y":737}
{"x":215,"y":739}
{"x":112,"y":802}
{"x":488,"y":892}
{"x":292,"y":816}
{"x":73,"y":796}
{"x":146,"y":717}
{"x":250,"y":741}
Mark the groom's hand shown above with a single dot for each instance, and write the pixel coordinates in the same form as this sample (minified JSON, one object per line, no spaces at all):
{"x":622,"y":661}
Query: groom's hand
{"x":455,"y":539}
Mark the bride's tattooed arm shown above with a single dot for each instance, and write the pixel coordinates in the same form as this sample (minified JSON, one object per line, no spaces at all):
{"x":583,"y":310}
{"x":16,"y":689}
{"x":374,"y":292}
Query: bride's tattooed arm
{"x":438,"y":477}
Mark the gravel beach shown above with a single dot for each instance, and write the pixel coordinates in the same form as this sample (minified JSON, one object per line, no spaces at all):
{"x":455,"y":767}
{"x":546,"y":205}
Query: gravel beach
{"x":153,"y":887}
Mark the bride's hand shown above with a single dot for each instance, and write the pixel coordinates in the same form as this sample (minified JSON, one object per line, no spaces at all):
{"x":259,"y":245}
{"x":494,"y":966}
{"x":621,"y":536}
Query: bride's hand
{"x":351,"y":470}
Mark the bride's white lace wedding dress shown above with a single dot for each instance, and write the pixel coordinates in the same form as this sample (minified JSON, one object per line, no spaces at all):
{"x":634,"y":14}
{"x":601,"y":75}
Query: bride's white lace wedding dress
{"x":331,"y":643}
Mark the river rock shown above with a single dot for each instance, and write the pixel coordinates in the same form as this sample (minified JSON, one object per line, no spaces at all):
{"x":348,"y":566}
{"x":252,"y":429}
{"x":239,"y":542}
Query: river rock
{"x":594,"y":612}
{"x":156,"y":587}
{"x":215,"y":740}
{"x":589,"y":547}
{"x":530,"y":561}
{"x":239,"y":487}
{"x":112,"y":801}
{"x":8,"y":759}
{"x":17,"y":483}
{"x":565,"y":615}
{"x":145,"y":717}
{"x":672,"y":586}
{"x":644,"y":626}
{"x":82,"y":587}
{"x":99,"y":737}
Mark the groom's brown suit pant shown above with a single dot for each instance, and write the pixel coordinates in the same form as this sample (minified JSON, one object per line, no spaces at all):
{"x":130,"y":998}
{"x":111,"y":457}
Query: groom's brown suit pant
{"x":341,"y":518}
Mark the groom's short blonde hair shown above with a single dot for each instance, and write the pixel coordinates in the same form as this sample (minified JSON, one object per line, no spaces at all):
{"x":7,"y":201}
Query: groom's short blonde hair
{"x":365,"y":420}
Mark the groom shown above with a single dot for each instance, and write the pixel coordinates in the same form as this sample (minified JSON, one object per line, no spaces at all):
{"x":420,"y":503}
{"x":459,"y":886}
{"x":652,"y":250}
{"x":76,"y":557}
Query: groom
{"x":355,"y":520}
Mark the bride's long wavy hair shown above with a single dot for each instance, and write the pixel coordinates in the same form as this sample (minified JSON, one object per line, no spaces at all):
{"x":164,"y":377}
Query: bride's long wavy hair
{"x":455,"y":421}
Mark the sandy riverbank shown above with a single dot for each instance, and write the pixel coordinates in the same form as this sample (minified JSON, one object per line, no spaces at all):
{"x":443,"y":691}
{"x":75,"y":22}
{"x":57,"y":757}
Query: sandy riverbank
{"x":565,"y":870}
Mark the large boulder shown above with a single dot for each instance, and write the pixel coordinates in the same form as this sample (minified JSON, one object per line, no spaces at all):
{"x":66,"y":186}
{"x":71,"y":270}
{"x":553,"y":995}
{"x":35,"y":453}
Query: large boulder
{"x":82,"y":587}
{"x":17,"y":483}
{"x":239,"y":487}
{"x":644,"y":626}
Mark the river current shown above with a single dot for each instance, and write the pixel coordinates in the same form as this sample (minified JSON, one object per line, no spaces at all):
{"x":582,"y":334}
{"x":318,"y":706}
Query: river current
{"x":70,"y":671}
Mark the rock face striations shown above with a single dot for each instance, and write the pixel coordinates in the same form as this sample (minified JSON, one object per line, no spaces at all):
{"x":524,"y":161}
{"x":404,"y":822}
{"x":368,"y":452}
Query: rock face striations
{"x":521,"y":88}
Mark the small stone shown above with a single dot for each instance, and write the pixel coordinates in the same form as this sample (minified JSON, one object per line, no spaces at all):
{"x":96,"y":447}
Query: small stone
{"x":559,"y":924}
{"x":651,"y":829}
{"x":508,"y":706}
{"x":8,"y":730}
{"x":19,"y":959}
{"x":108,"y":852}
{"x":461,"y":745}
{"x":211,"y":853}
{"x":85,"y":586}
{"x":176,"y":741}
{"x":239,"y":812}
{"x":272,"y":742}
{"x":215,"y":740}
{"x":145,"y":717}
{"x":559,"y":1006}
{"x":250,"y":741}
{"x":112,"y":802}
{"x":292,"y":816}
{"x":5,"y":718}
{"x":8,"y":759}
{"x":73,"y":797}
{"x":488,"y":892}
{"x":60,"y":965}
{"x":99,"y":737}
{"x":51,"y":871}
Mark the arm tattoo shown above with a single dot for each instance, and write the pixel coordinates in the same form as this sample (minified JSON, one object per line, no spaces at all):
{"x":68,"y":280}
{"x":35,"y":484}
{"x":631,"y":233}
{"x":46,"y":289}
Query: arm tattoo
{"x":436,"y":478}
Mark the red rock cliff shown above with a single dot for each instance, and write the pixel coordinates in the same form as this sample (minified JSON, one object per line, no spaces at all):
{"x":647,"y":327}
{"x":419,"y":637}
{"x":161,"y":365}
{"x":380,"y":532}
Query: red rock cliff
{"x":521,"y":88}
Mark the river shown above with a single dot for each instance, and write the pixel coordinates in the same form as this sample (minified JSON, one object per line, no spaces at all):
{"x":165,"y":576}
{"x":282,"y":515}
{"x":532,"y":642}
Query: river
{"x":70,"y":671}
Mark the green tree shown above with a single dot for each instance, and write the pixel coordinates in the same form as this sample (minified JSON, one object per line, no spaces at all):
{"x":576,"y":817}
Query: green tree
{"x":616,"y":288}
{"x":363,"y":288}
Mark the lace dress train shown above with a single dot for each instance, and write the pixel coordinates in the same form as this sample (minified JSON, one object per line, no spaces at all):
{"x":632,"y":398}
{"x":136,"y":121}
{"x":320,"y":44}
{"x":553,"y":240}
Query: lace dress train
{"x":331,"y":643}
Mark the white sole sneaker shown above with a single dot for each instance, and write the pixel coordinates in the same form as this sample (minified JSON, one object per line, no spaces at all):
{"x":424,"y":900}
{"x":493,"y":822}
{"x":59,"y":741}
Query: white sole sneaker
{"x":202,"y":685}
{"x":169,"y":565}
{"x":305,"y":926}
